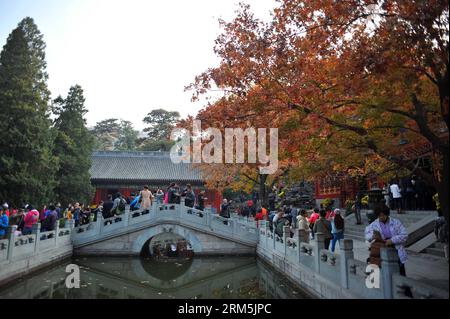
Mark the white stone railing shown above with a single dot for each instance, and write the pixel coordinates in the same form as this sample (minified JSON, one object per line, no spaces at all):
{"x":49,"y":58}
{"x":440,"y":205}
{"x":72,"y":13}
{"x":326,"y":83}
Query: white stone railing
{"x":16,"y":247}
{"x":341,"y":271}
{"x":235,"y":229}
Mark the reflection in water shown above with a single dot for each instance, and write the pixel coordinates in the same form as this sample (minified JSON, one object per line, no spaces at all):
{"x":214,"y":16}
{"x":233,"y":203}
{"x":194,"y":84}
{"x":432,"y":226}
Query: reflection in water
{"x":124,"y":278}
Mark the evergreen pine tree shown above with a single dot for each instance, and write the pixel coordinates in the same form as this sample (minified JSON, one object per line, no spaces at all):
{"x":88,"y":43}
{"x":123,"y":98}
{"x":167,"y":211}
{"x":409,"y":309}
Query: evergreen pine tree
{"x":26,"y":163}
{"x":73,"y":147}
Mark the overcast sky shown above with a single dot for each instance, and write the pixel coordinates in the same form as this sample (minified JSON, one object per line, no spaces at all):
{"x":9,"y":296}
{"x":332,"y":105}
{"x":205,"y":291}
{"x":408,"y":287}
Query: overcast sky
{"x":130,"y":56}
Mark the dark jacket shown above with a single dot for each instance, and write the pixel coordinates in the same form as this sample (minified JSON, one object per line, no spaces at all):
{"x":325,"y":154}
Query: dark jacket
{"x":173,"y":196}
{"x":190,"y":199}
{"x":49,"y":223}
{"x":107,"y":209}
{"x":224,"y":210}
{"x":201,"y":202}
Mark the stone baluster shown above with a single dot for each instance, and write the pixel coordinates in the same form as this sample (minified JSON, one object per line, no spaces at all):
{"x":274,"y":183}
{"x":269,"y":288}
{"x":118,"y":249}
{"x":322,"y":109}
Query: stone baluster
{"x":207,"y":219}
{"x":274,"y":235}
{"x":262,"y":226}
{"x":320,"y":244}
{"x":267,"y":228}
{"x":235,"y":226}
{"x":346,"y":254}
{"x":56,"y":231}
{"x":299,"y":235}
{"x":180,"y":208}
{"x":36,"y":231}
{"x":11,"y":236}
{"x":389,"y":267}
{"x":99,"y":223}
{"x":126,"y":216}
{"x":286,"y":236}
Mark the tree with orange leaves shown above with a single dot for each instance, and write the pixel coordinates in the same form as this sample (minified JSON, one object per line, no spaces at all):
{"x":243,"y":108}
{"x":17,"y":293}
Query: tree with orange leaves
{"x":348,"y":81}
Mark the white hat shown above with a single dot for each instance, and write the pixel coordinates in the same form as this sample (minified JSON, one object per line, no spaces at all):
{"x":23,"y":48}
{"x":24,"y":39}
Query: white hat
{"x":5,"y":205}
{"x":337,"y":211}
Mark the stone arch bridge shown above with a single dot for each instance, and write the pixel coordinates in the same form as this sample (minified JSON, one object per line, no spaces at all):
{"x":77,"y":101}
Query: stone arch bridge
{"x":127,"y":234}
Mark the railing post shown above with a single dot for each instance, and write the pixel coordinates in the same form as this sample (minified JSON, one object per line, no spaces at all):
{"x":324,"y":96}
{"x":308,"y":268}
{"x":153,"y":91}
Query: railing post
{"x":286,"y":235}
{"x":36,"y":230}
{"x":126,"y":216}
{"x":56,"y":232}
{"x":389,"y":267}
{"x":320,"y":244}
{"x":299,"y":233}
{"x":99,"y":223}
{"x":209,"y":218}
{"x":182,"y":202}
{"x":262,"y":225}
{"x":267,"y":232}
{"x":11,"y":236}
{"x":235,"y":226}
{"x":274,"y":238}
{"x":346,"y":254}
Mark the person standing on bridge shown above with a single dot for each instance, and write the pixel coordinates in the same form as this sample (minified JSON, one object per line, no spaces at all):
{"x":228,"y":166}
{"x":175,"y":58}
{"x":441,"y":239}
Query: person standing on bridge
{"x":201,"y":200}
{"x":159,"y":196}
{"x":189,"y":200}
{"x":173,"y":195}
{"x":146,"y":197}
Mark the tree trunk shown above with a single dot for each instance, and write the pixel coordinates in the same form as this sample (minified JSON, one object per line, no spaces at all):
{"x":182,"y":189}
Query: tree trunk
{"x":443,"y":189}
{"x":262,"y":190}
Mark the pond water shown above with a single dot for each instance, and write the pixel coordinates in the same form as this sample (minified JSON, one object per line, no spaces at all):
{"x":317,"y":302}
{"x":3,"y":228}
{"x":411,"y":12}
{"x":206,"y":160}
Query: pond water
{"x":145,"y":278}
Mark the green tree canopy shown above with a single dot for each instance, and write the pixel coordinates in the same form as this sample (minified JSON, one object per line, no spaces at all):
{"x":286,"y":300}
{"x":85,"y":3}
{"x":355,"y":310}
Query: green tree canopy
{"x":73,"y":147}
{"x":128,"y":137}
{"x":27,"y":165}
{"x":160,"y":124}
{"x":112,"y":135}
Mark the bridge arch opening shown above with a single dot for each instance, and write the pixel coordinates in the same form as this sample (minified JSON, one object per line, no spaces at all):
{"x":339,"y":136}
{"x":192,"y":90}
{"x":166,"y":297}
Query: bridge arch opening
{"x":166,"y":246}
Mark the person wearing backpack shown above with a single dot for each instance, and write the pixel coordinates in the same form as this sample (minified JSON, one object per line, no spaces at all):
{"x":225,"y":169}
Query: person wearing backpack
{"x":322,"y":225}
{"x":279,"y":221}
{"x":119,"y":205}
{"x":337,"y":229}
{"x":49,"y":222}
{"x":441,"y":231}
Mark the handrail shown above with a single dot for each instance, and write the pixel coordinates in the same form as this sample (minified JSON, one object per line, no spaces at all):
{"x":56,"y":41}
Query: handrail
{"x":25,"y":246}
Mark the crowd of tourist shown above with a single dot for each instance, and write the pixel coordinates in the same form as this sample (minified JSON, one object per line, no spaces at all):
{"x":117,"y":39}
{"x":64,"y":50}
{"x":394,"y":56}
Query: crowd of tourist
{"x":27,"y":216}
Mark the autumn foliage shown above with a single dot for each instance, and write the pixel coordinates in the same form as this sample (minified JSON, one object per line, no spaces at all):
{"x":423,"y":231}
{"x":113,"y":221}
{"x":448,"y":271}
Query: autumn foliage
{"x":355,"y":87}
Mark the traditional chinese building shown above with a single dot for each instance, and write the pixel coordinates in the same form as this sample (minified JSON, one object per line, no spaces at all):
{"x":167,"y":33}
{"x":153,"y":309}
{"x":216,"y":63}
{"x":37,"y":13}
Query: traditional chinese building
{"x":128,"y":172}
{"x":342,"y":188}
{"x":339,"y":188}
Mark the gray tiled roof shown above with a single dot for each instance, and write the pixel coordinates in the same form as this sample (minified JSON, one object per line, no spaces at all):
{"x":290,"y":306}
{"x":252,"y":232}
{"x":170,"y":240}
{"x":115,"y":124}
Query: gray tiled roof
{"x":140,"y":166}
